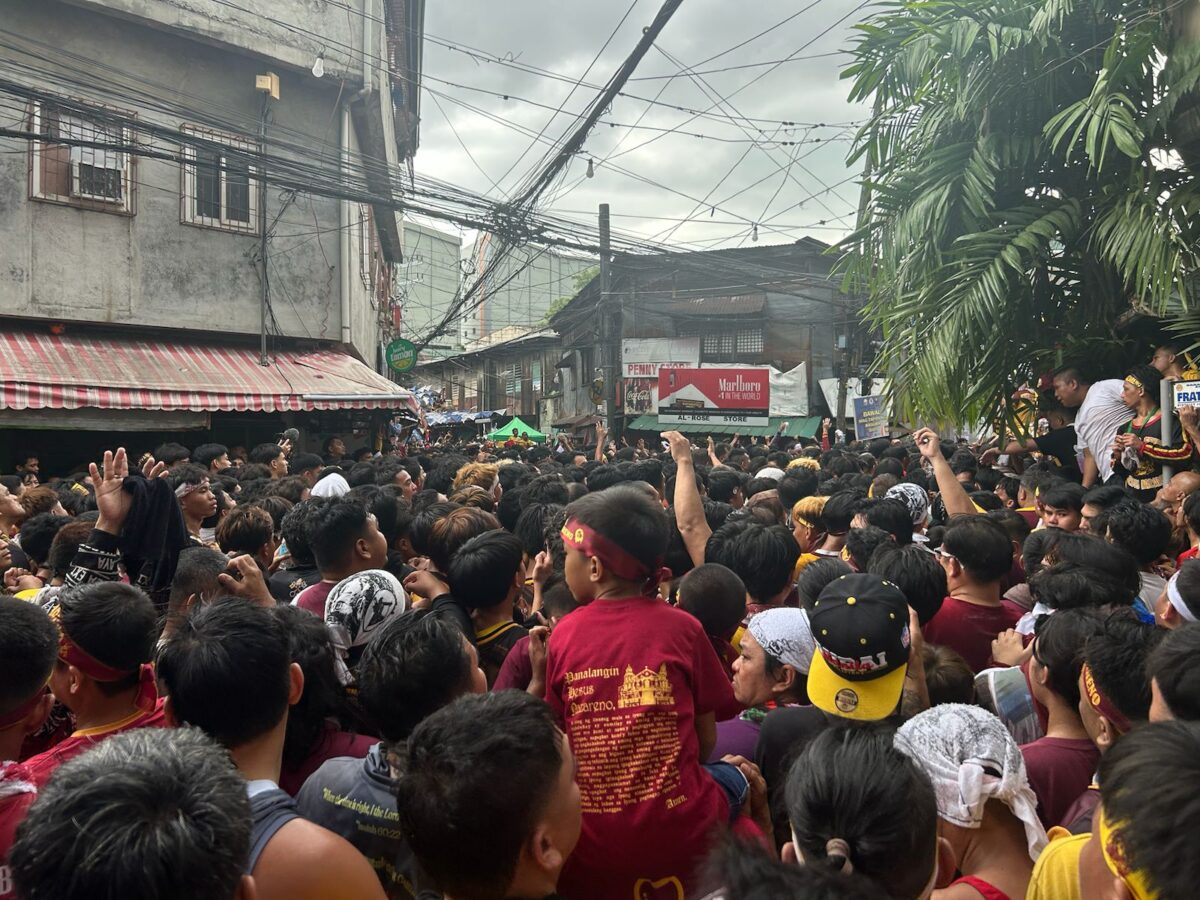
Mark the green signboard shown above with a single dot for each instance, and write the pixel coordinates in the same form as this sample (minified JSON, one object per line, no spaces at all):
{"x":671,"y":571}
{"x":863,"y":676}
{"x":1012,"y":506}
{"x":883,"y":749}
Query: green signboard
{"x":401,"y":355}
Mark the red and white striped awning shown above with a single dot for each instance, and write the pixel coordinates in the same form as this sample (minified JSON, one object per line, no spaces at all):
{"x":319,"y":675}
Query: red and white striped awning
{"x":71,"y":371}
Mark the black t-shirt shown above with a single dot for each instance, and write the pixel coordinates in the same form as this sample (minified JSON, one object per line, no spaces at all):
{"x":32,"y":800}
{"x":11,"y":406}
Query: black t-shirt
{"x":1059,"y":445}
{"x":285,"y":584}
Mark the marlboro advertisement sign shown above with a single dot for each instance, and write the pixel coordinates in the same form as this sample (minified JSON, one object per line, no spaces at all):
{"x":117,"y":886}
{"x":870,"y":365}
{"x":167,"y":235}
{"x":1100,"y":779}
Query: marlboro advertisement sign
{"x":714,"y":396}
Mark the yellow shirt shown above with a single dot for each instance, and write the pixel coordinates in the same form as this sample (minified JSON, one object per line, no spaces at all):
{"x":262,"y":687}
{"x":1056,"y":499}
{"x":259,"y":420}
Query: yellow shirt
{"x":1056,"y":873}
{"x":804,"y":560}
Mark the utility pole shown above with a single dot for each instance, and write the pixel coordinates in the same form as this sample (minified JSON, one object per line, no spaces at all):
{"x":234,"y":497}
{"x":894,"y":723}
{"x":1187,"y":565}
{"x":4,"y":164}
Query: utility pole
{"x":265,"y":297}
{"x":609,"y":331}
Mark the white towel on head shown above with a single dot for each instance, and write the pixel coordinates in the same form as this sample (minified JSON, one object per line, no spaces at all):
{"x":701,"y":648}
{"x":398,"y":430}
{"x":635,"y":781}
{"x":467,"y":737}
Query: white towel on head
{"x":971,"y":758}
{"x":332,"y":485}
{"x":784,"y":633}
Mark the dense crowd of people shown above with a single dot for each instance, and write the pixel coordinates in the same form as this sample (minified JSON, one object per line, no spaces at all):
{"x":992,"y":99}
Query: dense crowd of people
{"x":900,"y":668}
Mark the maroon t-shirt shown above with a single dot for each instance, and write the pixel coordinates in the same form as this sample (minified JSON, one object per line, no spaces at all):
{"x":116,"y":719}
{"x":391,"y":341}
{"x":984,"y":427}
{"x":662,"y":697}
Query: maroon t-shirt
{"x":970,"y":629}
{"x":1059,"y":769}
{"x":628,"y":678}
{"x":517,"y":670}
{"x":331,"y":744}
{"x":313,"y":598}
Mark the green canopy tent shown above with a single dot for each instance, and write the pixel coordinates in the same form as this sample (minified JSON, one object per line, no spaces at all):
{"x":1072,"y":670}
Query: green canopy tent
{"x":504,"y":432}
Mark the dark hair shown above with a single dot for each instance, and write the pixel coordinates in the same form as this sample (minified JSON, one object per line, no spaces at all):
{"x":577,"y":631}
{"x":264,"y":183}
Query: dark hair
{"x":839,"y":509}
{"x":1149,"y":781}
{"x":477,"y":777}
{"x":245,"y":529}
{"x":296,"y":526}
{"x":916,"y":572}
{"x":333,"y":529}
{"x":818,"y":575}
{"x":1012,"y":522}
{"x":361,"y":474}
{"x":741,"y":870}
{"x":557,"y":599}
{"x":862,"y":544}
{"x":795,"y":485}
{"x":530,"y":529}
{"x":1036,"y":546}
{"x":986,"y":500}
{"x":1191,"y":511}
{"x":629,"y":518}
{"x":115,"y":623}
{"x":1150,"y":378}
{"x":171,"y":453}
{"x":894,"y":518}
{"x":196,"y":574}
{"x":265,"y":454}
{"x":852,"y":783}
{"x":424,"y":518}
{"x":302,"y":462}
{"x":1173,"y":667}
{"x":1058,"y":645}
{"x":289,"y":487}
{"x":1069,"y":585}
{"x":948,"y":677}
{"x":1119,"y":578}
{"x":481,"y":571}
{"x":1117,"y":658}
{"x":723,"y":484}
{"x":169,"y":798}
{"x":763,"y":556}
{"x":206,"y":454}
{"x":28,"y":649}
{"x":454,"y":529}
{"x":716,"y":596}
{"x":224,"y":650}
{"x":1063,"y":495}
{"x":414,"y":665}
{"x":252,"y":472}
{"x":1138,"y":528}
{"x":37,"y":534}
{"x":1010,"y":485}
{"x":66,"y":544}
{"x":383,"y":503}
{"x":980,"y":545}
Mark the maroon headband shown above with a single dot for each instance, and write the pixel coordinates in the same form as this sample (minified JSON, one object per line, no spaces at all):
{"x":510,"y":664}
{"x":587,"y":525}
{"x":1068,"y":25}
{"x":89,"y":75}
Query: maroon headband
{"x":620,"y":562}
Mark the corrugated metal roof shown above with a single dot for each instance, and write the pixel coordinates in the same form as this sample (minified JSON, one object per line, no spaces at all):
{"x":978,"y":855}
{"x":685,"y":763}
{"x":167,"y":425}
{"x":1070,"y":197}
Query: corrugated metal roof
{"x":739,"y":305}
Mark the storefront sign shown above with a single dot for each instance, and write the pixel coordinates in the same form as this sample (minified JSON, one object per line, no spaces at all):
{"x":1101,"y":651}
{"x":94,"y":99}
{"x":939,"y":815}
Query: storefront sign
{"x":724,"y":396}
{"x":401,"y":355}
{"x":1187,"y":393}
{"x":643,"y":357}
{"x":870,"y":417}
{"x":639,"y":396}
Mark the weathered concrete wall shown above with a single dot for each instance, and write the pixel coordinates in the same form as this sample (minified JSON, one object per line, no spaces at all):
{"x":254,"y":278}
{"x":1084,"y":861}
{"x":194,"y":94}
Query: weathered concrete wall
{"x":149,"y":269}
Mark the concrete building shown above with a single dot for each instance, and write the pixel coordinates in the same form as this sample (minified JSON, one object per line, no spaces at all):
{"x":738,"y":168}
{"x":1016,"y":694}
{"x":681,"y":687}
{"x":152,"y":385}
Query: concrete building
{"x":518,"y":299}
{"x":426,"y":285}
{"x":130,"y":196}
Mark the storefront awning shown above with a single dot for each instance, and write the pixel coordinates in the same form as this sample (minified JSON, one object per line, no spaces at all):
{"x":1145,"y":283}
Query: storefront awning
{"x":73,"y":371}
{"x":798,"y":427}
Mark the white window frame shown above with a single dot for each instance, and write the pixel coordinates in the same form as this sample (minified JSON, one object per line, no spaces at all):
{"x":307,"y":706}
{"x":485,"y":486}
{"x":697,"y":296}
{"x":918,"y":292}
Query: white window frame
{"x":80,"y":155}
{"x":187,"y":198}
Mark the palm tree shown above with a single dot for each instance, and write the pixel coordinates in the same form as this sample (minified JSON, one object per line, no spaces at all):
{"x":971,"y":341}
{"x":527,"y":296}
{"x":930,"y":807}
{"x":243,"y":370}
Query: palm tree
{"x":1021,"y":198}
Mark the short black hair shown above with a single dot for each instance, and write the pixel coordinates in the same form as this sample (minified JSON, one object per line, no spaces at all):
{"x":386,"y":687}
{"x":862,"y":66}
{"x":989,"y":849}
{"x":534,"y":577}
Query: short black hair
{"x":839,"y":510}
{"x":1060,"y":640}
{"x":1191,"y":511}
{"x":795,"y":485}
{"x":851,"y":782}
{"x":476,"y":778}
{"x":1117,"y":659}
{"x":296,"y":526}
{"x":862,"y":543}
{"x":302,"y":462}
{"x":1150,"y":378}
{"x":37,"y":534}
{"x":1072,"y":585}
{"x":453,"y":530}
{"x":1150,"y":782}
{"x":763,"y":556}
{"x":28,"y":649}
{"x":1035,"y":547}
{"x":980,"y":545}
{"x":228,"y":649}
{"x":265,"y":454}
{"x":1012,"y":522}
{"x":530,"y":529}
{"x":1139,"y":528}
{"x":169,"y":798}
{"x":361,"y":474}
{"x":741,"y":870}
{"x":818,"y":575}
{"x":424,"y":519}
{"x":113,"y":622}
{"x":1172,"y":666}
{"x":723,"y":484}
{"x":383,"y":503}
{"x":481,"y":571}
{"x":916,"y":572}
{"x":714,"y":595}
{"x":1063,"y":495}
{"x":894,"y":518}
{"x":629,"y":518}
{"x":334,"y":528}
{"x":171,"y":453}
{"x":196,"y":572}
{"x":414,"y":665}
{"x":206,"y":454}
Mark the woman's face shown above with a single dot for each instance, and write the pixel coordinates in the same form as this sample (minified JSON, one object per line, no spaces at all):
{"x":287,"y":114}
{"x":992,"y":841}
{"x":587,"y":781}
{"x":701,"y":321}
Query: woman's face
{"x":753,"y":685}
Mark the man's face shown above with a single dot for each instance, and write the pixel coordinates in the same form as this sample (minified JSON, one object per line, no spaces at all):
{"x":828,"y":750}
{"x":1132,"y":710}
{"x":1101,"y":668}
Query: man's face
{"x":576,"y":572}
{"x":1009,"y":502}
{"x":279,"y":466}
{"x":579,"y":459}
{"x":1060,"y":517}
{"x":407,"y":486}
{"x":337,"y":448}
{"x":377,"y":547}
{"x":1089,"y":515}
{"x":1162,"y":359}
{"x":31,"y":464}
{"x":220,"y":463}
{"x":563,"y":813}
{"x":1067,"y":391}
{"x":10,"y":506}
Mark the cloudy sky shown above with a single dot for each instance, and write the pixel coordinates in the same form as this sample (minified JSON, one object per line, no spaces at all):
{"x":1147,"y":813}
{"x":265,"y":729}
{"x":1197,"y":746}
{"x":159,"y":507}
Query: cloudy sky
{"x":678,"y":188}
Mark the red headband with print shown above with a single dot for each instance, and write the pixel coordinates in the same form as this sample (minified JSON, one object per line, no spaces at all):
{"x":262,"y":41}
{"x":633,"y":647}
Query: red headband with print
{"x":620,"y":562}
{"x":1101,"y":704}
{"x":73,"y":655}
{"x":22,"y":712}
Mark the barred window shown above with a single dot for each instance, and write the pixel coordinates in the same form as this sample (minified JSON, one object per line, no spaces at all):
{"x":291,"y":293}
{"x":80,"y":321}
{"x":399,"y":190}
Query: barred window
{"x":82,"y":160}
{"x":219,"y":190}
